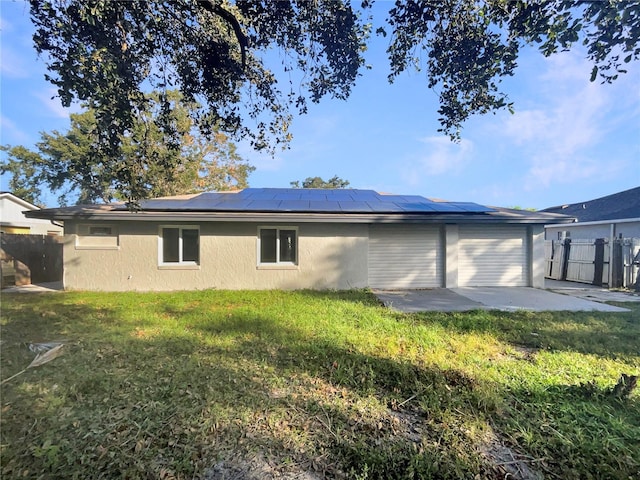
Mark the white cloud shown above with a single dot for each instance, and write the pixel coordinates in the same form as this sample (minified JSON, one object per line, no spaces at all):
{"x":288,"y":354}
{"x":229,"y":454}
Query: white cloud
{"x":12,"y":65}
{"x":438,"y":156}
{"x":560,"y":137}
{"x":51,"y":101}
{"x":11,"y":133}
{"x":263,"y":162}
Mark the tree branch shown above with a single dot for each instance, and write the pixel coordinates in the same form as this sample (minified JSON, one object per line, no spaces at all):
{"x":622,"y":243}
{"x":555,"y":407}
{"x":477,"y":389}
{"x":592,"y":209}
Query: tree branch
{"x":233,"y":21}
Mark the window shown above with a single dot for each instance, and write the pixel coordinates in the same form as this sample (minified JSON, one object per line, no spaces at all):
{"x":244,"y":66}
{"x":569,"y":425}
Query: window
{"x":97,"y":237}
{"x":99,"y":231}
{"x":278,"y":246}
{"x":179,"y":246}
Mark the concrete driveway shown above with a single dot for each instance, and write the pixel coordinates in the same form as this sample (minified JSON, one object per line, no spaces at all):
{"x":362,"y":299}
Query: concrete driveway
{"x":502,"y":298}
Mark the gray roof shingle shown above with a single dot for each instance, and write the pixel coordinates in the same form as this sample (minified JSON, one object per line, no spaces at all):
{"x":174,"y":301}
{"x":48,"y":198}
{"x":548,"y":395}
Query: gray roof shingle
{"x":618,"y":206}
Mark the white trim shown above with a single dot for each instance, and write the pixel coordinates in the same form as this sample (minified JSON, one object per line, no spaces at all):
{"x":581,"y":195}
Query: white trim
{"x":18,"y":200}
{"x":595,"y":222}
{"x":278,"y":264}
{"x":180,"y":264}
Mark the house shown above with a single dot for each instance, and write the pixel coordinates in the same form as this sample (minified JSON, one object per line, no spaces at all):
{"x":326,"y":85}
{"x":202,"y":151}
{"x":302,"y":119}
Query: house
{"x":13,"y":220}
{"x":602,"y":247}
{"x":28,"y":248}
{"x":267,"y":238}
{"x":613,"y":216}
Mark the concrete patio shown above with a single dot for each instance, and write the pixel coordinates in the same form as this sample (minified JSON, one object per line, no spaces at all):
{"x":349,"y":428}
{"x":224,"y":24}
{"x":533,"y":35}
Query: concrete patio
{"x":559,"y":296}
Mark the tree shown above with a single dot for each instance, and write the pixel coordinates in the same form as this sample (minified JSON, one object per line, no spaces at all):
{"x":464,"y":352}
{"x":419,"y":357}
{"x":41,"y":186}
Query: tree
{"x":22,"y":172}
{"x":105,"y":54}
{"x":318,"y":182}
{"x":73,"y":164}
{"x":471,"y":46}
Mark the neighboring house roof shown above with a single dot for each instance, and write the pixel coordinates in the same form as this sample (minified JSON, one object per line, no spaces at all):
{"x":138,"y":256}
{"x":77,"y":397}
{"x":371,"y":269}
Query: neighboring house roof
{"x":618,"y":206}
{"x":17,"y":200}
{"x":14,"y":220}
{"x":301,"y":205}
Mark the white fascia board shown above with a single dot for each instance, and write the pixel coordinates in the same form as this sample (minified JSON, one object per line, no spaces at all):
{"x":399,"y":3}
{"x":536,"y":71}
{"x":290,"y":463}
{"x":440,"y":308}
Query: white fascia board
{"x":598,"y":222}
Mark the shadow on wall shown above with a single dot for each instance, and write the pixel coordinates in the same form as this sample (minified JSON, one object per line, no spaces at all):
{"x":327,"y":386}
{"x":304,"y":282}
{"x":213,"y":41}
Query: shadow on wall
{"x":331,"y":260}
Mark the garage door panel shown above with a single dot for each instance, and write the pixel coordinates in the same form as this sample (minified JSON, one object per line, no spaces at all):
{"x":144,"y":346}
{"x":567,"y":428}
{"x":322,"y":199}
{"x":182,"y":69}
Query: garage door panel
{"x":405,"y":256}
{"x":493,"y":256}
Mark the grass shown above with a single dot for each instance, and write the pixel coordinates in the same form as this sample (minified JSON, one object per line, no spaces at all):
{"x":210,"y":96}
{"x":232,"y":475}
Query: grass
{"x":216,"y":384}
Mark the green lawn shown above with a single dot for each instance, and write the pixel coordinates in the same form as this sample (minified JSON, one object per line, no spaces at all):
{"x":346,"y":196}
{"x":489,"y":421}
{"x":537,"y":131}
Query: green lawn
{"x":313,"y":385}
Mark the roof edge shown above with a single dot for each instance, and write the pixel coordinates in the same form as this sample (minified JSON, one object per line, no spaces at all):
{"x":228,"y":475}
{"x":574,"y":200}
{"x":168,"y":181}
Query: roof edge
{"x":603,"y":222}
{"x":301,"y":217}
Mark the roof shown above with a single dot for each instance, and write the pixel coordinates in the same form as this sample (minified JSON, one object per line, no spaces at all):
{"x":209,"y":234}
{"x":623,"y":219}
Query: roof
{"x":19,"y":201}
{"x":301,"y":205}
{"x":618,"y":206}
{"x":308,"y":200}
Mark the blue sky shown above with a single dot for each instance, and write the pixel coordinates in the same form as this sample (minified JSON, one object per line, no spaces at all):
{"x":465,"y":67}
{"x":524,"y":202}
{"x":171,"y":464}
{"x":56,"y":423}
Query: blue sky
{"x":570,"y":140}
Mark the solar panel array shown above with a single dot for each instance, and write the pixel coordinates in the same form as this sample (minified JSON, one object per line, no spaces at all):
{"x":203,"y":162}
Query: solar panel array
{"x":310,"y":200}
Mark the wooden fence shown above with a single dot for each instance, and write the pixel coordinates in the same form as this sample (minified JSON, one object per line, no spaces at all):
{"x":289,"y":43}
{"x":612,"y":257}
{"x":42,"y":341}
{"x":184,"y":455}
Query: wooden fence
{"x":29,"y":259}
{"x":595,"y":261}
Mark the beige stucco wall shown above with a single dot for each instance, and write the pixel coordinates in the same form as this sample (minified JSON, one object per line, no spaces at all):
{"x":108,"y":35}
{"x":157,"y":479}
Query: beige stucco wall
{"x":329,"y":256}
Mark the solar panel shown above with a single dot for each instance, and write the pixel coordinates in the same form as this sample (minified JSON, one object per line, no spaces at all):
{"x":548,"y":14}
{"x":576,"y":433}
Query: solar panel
{"x":294,"y":205}
{"x":386,"y":207}
{"x":324,"y":206}
{"x":354,"y":206}
{"x":265,"y":205}
{"x":310,"y":200}
{"x":261,"y":196}
{"x":471,"y":207}
{"x":418,"y":207}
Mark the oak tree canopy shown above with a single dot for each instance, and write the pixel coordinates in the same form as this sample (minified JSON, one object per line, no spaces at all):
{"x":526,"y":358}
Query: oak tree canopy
{"x":252,"y":63}
{"x":74,"y":165}
{"x":319,"y":182}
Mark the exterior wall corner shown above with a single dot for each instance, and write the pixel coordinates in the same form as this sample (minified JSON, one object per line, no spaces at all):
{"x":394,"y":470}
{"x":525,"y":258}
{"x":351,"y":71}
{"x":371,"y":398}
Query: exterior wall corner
{"x":452,"y":237}
{"x":537,"y":260}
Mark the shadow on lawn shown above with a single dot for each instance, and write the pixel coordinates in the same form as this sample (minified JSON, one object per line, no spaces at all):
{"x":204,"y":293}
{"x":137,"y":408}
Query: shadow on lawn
{"x":576,"y":430}
{"x":223,"y":386}
{"x":157,"y":405}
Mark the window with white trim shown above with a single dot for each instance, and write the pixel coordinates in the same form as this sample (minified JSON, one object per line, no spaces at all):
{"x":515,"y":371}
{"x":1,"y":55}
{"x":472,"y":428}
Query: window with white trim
{"x":179,"y":245}
{"x":277,"y":246}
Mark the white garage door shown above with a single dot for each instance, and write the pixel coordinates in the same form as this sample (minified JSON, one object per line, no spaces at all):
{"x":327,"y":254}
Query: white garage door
{"x":405,"y":256}
{"x":493,"y":256}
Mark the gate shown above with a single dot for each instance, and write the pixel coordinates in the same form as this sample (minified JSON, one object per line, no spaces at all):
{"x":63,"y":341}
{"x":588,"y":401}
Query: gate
{"x":29,"y":259}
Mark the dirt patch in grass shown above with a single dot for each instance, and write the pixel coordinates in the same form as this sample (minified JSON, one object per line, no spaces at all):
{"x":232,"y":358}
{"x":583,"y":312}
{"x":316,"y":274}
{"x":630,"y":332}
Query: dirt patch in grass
{"x":513,"y":465}
{"x":256,"y":468}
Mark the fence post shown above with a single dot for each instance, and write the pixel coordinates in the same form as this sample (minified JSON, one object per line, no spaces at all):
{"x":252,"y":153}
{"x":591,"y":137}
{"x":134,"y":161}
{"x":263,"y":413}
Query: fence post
{"x":616,"y":264}
{"x":565,"y":258}
{"x":598,"y":262}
